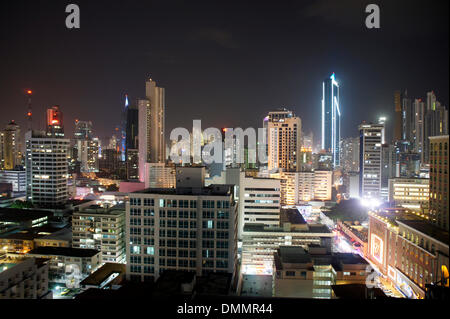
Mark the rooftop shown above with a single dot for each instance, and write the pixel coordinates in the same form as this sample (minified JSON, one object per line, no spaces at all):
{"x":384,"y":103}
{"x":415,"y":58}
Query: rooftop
{"x":317,"y":229}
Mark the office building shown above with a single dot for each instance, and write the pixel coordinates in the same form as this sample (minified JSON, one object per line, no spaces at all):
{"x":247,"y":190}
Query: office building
{"x":187,"y":228}
{"x":310,"y":273}
{"x":102,"y":229}
{"x":55,"y":124}
{"x":283,"y":140}
{"x":439,"y":179}
{"x":409,"y":250}
{"x":436,"y":123}
{"x":331,"y":119}
{"x":47,"y":168}
{"x":152,"y":146}
{"x":350,"y":154}
{"x":370,"y":160}
{"x":297,"y":187}
{"x":159,"y":175}
{"x":11,"y":147}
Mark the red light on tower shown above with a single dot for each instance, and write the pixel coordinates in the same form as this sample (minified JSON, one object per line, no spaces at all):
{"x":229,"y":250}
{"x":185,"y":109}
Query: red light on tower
{"x":29,"y":92}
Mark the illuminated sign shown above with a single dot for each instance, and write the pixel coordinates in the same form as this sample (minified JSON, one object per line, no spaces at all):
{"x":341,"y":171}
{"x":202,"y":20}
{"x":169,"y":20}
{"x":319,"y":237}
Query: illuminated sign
{"x":392,"y":273}
{"x":376,"y":248}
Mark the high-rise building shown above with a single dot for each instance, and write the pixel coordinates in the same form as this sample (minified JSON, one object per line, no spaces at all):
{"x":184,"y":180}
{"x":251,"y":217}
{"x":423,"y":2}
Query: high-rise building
{"x":297,"y":187}
{"x":11,"y":146}
{"x":259,"y":201}
{"x":47,"y":169}
{"x":87,"y":147}
{"x":370,"y":160}
{"x":331,"y":118}
{"x":132,"y":164}
{"x":439,"y":179}
{"x":435,"y":124}
{"x":410,"y":193}
{"x":183,"y":228}
{"x":55,"y":124}
{"x":398,"y":116}
{"x":152,"y":146}
{"x":284,"y":140}
{"x":102,"y":229}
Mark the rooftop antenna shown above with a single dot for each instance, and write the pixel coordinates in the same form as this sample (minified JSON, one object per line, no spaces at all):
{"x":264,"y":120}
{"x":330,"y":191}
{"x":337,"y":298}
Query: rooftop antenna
{"x":29,"y":112}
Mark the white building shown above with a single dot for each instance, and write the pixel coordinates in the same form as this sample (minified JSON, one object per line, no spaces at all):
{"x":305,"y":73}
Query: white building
{"x":47,"y":169}
{"x":102,"y":229}
{"x":16,"y":178}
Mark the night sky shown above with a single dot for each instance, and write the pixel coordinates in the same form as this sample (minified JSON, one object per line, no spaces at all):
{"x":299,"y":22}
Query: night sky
{"x":226,"y":63}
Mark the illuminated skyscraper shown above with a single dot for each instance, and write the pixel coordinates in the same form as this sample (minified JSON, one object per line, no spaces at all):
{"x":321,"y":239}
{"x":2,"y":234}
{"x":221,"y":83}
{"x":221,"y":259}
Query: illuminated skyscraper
{"x":331,"y":118}
{"x":370,"y":152}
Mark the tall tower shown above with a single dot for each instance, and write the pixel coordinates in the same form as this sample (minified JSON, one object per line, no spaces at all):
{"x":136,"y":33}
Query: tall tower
{"x":331,"y":119}
{"x":152,"y":146}
{"x":284,"y":140}
{"x":398,"y":116}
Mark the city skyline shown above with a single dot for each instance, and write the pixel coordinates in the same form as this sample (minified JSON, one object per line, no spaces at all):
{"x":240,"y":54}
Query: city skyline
{"x":261,"y":80}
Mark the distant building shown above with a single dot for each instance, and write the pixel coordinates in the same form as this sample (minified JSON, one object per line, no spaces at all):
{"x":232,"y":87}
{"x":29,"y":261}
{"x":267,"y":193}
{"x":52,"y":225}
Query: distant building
{"x":284,"y":140}
{"x":17,"y":178}
{"x":331,"y":119}
{"x":68,"y":265}
{"x":186,"y":228}
{"x":310,"y":274}
{"x":439,"y":178}
{"x":159,"y":175}
{"x":152,"y":146}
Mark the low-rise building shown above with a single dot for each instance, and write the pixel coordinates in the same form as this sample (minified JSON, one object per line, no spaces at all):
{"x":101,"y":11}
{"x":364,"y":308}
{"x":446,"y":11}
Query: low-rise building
{"x":24,"y":278}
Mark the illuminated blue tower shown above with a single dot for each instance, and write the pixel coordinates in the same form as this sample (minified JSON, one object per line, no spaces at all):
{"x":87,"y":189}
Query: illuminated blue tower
{"x":331,"y":119}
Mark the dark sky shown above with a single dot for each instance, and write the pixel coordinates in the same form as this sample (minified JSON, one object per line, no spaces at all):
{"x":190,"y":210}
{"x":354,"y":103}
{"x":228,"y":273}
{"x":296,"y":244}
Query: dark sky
{"x":226,"y":63}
